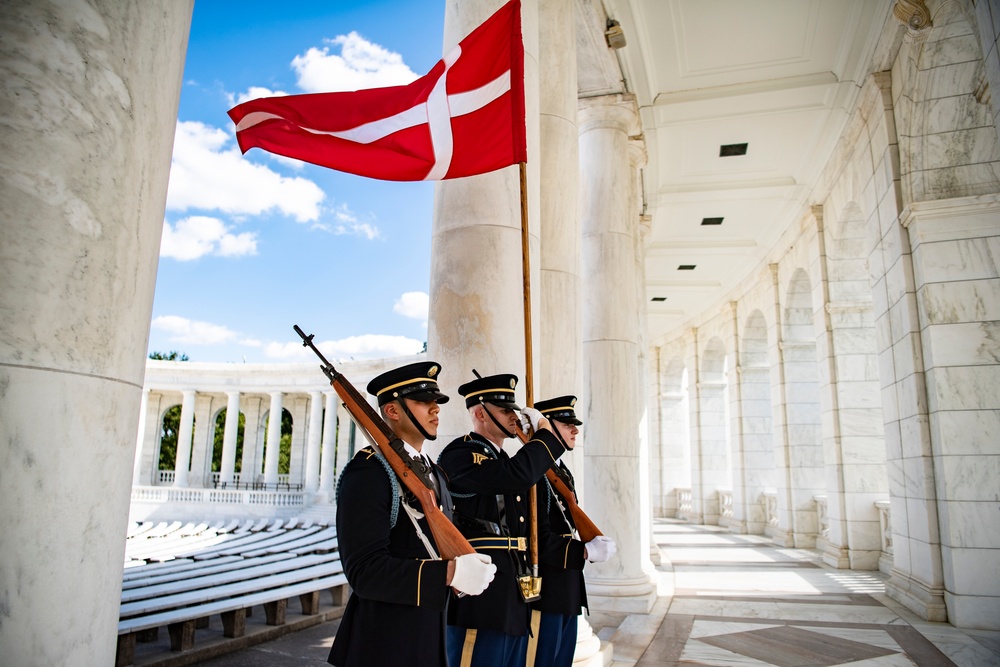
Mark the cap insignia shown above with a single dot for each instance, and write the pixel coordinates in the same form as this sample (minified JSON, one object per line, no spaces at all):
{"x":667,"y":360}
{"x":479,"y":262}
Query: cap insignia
{"x":513,"y":383}
{"x":572,"y":403}
{"x":432,"y":371}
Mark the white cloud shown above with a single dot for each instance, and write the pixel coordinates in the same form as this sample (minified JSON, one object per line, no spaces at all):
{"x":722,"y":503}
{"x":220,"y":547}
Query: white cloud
{"x":347,"y":224}
{"x":183,"y":330}
{"x":254,"y":93}
{"x":209,"y":173}
{"x":199,"y":235}
{"x":367,"y":346}
{"x":414,"y":305}
{"x":361,"y":64}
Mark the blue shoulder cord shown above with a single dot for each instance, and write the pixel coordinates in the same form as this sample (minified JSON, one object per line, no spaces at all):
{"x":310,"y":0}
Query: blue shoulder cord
{"x":393,"y":482}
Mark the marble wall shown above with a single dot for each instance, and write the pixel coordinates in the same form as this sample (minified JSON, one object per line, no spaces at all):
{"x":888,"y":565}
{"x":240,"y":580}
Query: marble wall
{"x":880,"y":316}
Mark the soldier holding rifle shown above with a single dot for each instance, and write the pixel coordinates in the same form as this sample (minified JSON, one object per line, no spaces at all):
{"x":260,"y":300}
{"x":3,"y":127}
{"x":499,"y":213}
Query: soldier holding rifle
{"x":554,"y":616}
{"x":400,"y":588}
{"x":491,"y":492}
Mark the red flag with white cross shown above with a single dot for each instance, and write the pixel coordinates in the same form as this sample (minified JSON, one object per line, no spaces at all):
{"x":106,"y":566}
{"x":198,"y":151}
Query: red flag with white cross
{"x":464,"y":117}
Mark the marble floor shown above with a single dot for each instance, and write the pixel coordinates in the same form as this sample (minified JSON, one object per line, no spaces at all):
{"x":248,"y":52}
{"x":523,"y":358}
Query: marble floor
{"x":725,"y":600}
{"x":740,"y":601}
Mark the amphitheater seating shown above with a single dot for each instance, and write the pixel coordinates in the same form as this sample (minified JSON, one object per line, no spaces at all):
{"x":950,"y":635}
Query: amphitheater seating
{"x":178,"y":574}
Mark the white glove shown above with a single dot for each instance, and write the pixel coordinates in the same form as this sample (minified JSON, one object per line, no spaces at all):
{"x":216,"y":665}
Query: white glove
{"x":529,"y":419}
{"x":600,"y":549}
{"x":473,"y":573}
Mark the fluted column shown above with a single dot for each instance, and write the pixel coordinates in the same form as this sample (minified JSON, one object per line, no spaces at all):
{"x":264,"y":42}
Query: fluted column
{"x":272,"y":448}
{"x":476,"y":296}
{"x":185,"y":431}
{"x":614,"y":394}
{"x":327,"y":469}
{"x":229,"y":438}
{"x":88,"y":108}
{"x":312,"y":441}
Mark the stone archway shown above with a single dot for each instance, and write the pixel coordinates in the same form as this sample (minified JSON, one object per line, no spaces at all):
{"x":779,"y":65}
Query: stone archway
{"x":757,"y":428}
{"x":800,"y":460}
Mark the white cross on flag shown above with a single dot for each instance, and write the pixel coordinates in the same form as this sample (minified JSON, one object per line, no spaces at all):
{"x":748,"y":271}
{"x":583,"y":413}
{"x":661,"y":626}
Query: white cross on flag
{"x":464,"y":117}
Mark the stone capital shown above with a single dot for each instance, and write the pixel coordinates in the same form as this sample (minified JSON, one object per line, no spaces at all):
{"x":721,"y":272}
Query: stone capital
{"x":609,"y":112}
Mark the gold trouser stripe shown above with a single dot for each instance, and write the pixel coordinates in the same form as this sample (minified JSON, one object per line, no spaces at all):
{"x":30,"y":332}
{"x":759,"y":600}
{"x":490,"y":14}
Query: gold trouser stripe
{"x":536,"y":621}
{"x":420,"y":572}
{"x":469,"y":647}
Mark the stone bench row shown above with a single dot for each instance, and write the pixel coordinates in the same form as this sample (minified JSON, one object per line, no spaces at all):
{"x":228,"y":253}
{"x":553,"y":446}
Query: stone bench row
{"x":234,"y":573}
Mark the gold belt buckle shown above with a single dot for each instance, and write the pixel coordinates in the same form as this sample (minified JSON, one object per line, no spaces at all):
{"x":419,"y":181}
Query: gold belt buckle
{"x":522,"y":544}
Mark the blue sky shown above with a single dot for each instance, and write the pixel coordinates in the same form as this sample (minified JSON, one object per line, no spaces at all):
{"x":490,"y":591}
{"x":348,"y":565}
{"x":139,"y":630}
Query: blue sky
{"x":254,"y":244}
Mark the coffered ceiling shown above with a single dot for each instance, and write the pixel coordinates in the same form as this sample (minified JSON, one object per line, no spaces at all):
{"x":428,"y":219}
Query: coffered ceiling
{"x":777,"y":75}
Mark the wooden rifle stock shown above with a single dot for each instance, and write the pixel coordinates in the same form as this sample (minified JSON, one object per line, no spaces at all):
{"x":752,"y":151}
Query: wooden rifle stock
{"x":588,"y":529}
{"x":450,"y":542}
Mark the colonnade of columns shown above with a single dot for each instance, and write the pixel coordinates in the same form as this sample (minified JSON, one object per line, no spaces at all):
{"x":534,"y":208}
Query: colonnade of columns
{"x":319,"y":448}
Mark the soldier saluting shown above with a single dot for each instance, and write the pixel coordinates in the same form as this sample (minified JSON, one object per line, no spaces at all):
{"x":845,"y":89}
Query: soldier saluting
{"x":490,"y":491}
{"x":400,"y":589}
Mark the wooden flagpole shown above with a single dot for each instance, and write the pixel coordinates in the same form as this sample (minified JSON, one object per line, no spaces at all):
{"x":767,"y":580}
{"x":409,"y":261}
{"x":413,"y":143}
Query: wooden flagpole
{"x":529,"y":375}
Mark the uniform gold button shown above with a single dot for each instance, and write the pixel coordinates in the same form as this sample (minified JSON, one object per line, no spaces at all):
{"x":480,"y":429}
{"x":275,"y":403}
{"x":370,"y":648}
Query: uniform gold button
{"x":522,"y":519}
{"x":519,"y":499}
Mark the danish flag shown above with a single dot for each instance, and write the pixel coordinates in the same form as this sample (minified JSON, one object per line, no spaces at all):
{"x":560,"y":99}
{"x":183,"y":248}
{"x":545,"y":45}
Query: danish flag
{"x":464,"y":117}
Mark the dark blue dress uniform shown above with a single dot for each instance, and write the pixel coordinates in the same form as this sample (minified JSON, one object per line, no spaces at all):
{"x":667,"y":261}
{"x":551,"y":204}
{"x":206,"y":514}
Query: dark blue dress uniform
{"x":396,"y":612}
{"x":490,"y":492}
{"x":564,"y":593}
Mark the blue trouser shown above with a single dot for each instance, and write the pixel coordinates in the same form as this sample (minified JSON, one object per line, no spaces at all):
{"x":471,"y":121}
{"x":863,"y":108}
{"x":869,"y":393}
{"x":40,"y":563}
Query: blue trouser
{"x":554,"y":640}
{"x":484,"y":648}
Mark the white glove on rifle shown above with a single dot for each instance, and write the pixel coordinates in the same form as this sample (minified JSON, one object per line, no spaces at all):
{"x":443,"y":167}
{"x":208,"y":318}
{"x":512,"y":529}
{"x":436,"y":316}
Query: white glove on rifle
{"x":529,"y":419}
{"x":473,"y":573}
{"x":600,"y":549}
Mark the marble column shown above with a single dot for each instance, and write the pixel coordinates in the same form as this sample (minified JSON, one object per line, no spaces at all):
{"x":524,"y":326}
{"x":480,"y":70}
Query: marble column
{"x":345,"y":432}
{"x":89,"y":105}
{"x":204,"y":441}
{"x":185,"y":431}
{"x":476,"y":295}
{"x":251,"y":434}
{"x":611,"y":342}
{"x":328,"y":460}
{"x":140,"y":438}
{"x":272,"y":446}
{"x":229,"y":438}
{"x":315,"y":427}
{"x":296,"y":459}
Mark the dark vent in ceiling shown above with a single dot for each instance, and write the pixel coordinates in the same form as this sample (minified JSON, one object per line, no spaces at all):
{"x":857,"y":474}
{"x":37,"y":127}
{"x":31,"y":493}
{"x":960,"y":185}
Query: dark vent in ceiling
{"x":686,"y":267}
{"x":659,"y":298}
{"x":730,"y":150}
{"x":711,"y":221}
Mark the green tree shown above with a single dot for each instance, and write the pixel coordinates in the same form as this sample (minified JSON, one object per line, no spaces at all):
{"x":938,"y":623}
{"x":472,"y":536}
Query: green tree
{"x":173,"y":355}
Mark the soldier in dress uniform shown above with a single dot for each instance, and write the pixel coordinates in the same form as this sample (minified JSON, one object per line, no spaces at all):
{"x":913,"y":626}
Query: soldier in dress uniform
{"x":490,"y":491}
{"x":564,"y":594}
{"x":396,"y":613}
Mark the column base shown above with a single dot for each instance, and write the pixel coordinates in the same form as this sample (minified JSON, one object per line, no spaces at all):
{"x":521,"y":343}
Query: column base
{"x":735,"y":526}
{"x":631,"y":596}
{"x":589,"y":651}
{"x":779,"y":536}
{"x":833,"y":555}
{"x":916,"y":596}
